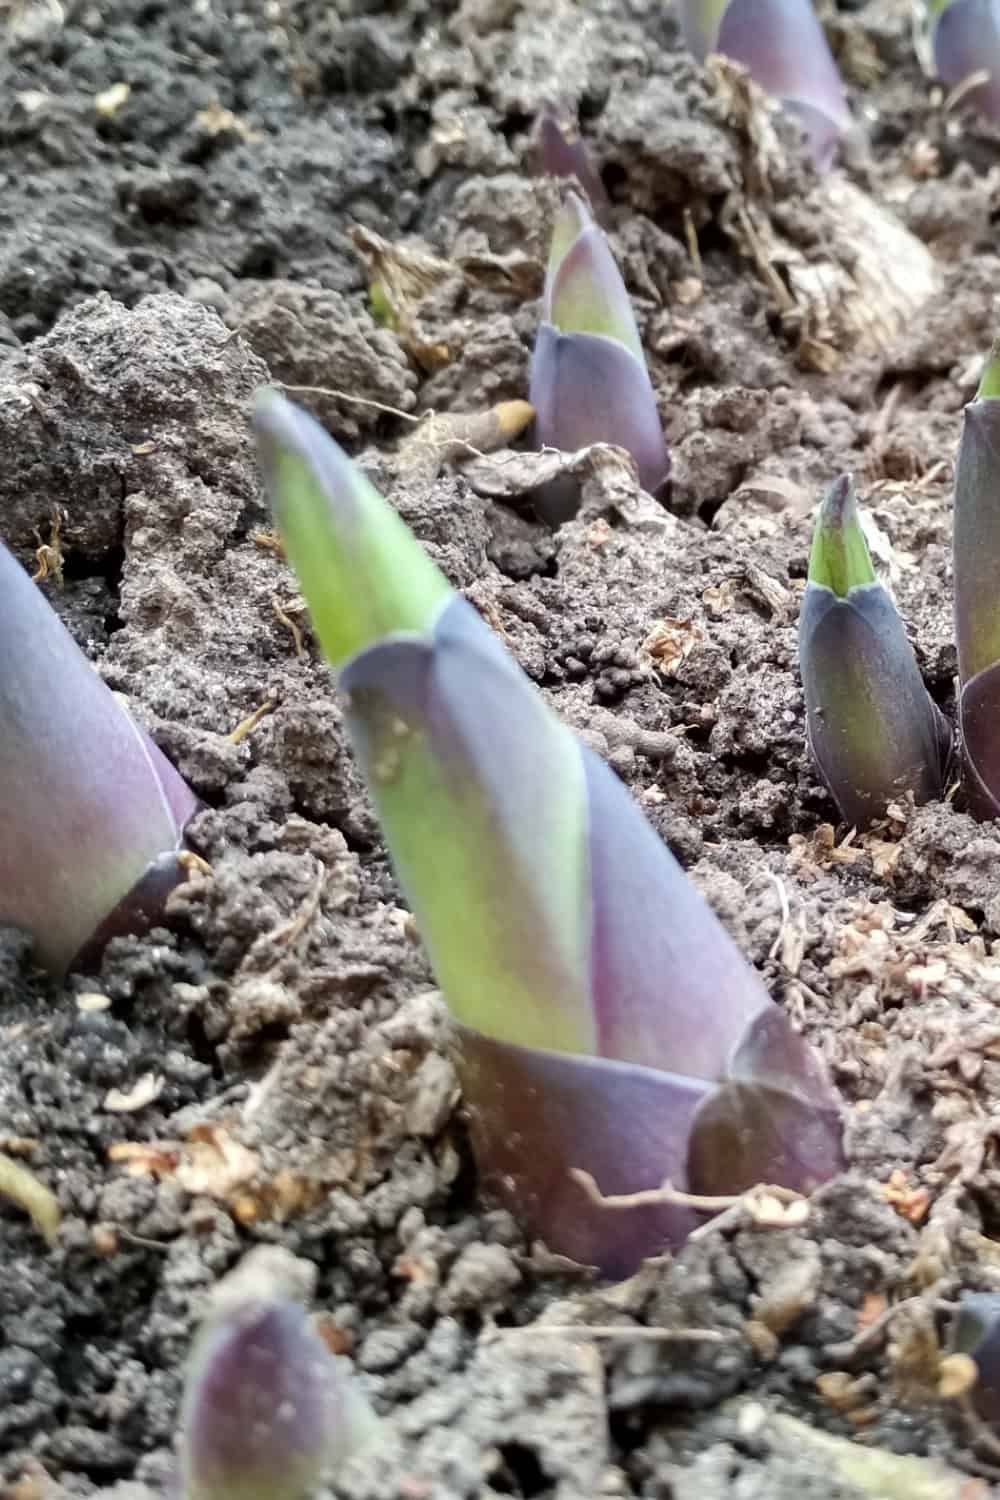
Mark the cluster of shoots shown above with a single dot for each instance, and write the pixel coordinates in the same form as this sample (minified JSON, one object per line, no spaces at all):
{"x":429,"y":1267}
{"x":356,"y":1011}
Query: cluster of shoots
{"x":875,"y":734}
{"x":611,"y":1035}
{"x":94,"y":814}
{"x":268,"y":1410}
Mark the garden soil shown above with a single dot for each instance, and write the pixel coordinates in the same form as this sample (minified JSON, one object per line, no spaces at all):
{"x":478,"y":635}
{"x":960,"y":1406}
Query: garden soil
{"x":198,"y":198}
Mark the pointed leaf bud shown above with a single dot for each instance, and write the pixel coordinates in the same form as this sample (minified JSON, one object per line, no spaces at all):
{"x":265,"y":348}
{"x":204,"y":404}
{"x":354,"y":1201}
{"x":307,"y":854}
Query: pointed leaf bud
{"x":784,"y":49}
{"x":561,"y":153}
{"x":589,"y":382}
{"x":267,"y":1407}
{"x":966,"y":41}
{"x":874,"y":732}
{"x":94,"y":813}
{"x":591,"y":981}
{"x":976,"y":544}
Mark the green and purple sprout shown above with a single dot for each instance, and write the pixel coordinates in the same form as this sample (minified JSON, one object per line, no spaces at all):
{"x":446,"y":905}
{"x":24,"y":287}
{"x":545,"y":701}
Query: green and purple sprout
{"x":784,"y":49}
{"x":267,"y":1407}
{"x":607,"y":1023}
{"x":94,"y":814}
{"x":874,"y":732}
{"x":976,"y":542}
{"x":965,"y":36}
{"x":562,"y":154}
{"x":589,"y":382}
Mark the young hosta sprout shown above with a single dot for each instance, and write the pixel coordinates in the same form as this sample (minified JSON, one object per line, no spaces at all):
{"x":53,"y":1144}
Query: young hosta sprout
{"x":561,"y":153}
{"x":589,"y":382}
{"x":93,"y":814}
{"x":606,"y":1020}
{"x":267,"y":1407}
{"x":783,"y":48}
{"x":966,"y":41}
{"x":874,"y":732}
{"x":976,"y":544}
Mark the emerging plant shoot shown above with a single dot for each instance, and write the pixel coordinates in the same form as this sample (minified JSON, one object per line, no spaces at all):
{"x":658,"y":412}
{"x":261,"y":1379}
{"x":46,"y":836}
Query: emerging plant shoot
{"x":783,"y":48}
{"x":589,"y":382}
{"x":976,"y":543}
{"x":93,"y":813}
{"x":874,"y":731}
{"x":965,"y":35}
{"x":561,"y":153}
{"x":267,"y":1407}
{"x":607,"y":1022}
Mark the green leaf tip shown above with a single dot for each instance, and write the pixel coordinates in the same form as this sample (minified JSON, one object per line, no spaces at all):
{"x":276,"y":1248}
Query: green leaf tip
{"x":840,"y":560}
{"x":989,"y":381}
{"x":363,"y":574}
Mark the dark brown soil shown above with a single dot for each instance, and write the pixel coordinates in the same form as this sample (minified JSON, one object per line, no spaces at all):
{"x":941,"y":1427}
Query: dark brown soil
{"x":167,"y":248}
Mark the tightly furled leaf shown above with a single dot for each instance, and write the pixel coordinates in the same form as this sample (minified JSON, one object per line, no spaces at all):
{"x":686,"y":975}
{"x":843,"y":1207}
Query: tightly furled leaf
{"x":874,"y":731}
{"x":267,"y":1407}
{"x":976,"y":545}
{"x":94,"y":814}
{"x":783,"y":48}
{"x":561,"y":153}
{"x":966,"y":40}
{"x":607,"y":1021}
{"x":589,"y":382}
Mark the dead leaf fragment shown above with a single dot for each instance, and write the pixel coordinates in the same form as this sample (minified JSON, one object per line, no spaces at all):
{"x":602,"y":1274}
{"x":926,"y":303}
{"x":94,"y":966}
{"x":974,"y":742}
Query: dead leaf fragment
{"x":957,"y":1376}
{"x":670,"y":643}
{"x":214,"y":1164}
{"x":21,"y":1186}
{"x":109,"y":101}
{"x":874,"y":1471}
{"x":142,"y":1159}
{"x":218,"y":121}
{"x":147,"y":1087}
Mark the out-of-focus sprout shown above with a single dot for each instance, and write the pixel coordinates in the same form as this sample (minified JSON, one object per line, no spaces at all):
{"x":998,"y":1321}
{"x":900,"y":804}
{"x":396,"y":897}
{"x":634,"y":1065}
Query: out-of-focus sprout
{"x":874,"y":732}
{"x":267,"y":1407}
{"x":977,"y":590}
{"x":783,"y":48}
{"x":965,"y":37}
{"x":977,"y":1333}
{"x":93,"y":814}
{"x":607,"y":1022}
{"x":589,"y":382}
{"x":561,"y":153}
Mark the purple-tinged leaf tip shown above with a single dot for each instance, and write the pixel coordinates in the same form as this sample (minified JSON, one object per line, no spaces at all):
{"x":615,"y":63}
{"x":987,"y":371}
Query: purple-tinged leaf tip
{"x":874,"y":732}
{"x":562,"y":153}
{"x":94,"y":812}
{"x":966,"y":40}
{"x":267,"y":1407}
{"x":783,"y":47}
{"x":584,"y":291}
{"x":589,"y":382}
